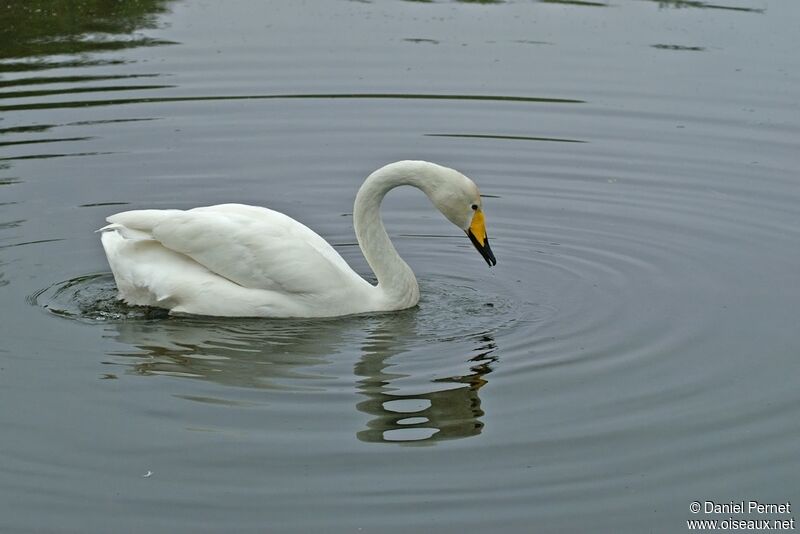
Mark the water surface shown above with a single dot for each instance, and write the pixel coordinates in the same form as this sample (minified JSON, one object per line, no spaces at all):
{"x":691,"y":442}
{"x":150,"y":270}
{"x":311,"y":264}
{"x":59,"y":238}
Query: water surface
{"x":634,"y":350}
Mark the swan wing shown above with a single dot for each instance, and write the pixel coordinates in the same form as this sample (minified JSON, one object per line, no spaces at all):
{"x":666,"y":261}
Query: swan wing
{"x":251,"y":246}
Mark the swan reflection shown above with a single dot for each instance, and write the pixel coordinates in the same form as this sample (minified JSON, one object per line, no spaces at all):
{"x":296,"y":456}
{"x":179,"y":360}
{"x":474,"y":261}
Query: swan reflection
{"x":406,"y":400}
{"x":240,"y":353}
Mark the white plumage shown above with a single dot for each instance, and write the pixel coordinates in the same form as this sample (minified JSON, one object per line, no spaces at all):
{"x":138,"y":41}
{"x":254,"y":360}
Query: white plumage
{"x":239,"y":260}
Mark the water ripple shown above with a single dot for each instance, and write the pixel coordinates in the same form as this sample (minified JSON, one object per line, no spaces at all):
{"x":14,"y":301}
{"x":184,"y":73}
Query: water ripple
{"x":398,"y":359}
{"x":310,"y":96}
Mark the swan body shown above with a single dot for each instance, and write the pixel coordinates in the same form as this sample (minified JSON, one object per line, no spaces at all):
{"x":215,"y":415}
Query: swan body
{"x":249,"y":261}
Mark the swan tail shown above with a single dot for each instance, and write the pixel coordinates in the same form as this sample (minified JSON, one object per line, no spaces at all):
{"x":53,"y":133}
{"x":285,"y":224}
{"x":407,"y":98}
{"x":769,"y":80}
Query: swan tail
{"x":133,"y":259}
{"x":129,"y":234}
{"x":143,"y":220}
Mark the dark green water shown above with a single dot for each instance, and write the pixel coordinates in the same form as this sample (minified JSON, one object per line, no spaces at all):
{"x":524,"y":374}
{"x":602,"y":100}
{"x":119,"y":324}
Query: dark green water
{"x":635,"y":350}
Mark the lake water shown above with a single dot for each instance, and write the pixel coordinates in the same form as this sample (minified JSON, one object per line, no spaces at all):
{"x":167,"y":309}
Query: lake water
{"x":635,"y":349}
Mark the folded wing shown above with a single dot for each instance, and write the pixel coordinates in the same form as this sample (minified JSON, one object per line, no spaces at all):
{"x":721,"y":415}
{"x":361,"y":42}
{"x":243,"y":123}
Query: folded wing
{"x":251,"y":246}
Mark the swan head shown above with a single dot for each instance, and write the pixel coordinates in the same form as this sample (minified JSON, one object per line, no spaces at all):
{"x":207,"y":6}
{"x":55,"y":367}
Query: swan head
{"x":459,"y":199}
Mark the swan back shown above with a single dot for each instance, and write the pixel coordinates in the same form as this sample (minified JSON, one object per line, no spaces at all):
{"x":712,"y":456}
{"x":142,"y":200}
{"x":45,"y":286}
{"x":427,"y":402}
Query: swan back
{"x":290,"y":269}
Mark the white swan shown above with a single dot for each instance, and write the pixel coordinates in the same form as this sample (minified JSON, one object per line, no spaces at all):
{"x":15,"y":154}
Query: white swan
{"x":248,"y":261}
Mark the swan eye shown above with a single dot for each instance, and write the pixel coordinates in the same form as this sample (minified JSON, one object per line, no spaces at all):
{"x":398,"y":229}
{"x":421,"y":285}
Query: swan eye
{"x":475,"y":207}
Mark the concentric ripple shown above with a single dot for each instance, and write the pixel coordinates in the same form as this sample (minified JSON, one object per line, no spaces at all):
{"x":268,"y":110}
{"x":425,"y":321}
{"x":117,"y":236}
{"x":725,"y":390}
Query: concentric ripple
{"x":634,"y":348}
{"x":435,"y":356}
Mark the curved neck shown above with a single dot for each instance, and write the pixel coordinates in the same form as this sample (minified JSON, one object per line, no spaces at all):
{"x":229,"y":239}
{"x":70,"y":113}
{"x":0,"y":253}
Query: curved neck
{"x":396,"y":280}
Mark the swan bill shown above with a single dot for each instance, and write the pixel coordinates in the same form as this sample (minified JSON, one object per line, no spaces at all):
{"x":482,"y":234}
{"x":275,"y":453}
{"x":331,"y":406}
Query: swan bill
{"x":477,"y":234}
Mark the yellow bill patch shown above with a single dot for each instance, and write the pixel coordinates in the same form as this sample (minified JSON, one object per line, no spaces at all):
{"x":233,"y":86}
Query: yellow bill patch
{"x":478,"y":227}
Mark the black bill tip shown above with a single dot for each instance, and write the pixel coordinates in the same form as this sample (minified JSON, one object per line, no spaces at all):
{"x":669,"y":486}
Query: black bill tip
{"x":485,"y":249}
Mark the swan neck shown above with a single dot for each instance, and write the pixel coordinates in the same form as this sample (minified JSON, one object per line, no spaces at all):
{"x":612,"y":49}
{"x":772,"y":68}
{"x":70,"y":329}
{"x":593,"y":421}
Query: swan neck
{"x":396,"y":280}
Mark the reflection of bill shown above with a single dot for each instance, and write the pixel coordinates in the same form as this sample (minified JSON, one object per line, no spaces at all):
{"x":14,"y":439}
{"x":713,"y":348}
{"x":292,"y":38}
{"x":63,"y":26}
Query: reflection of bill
{"x":304,"y":355}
